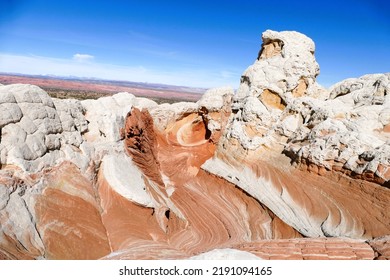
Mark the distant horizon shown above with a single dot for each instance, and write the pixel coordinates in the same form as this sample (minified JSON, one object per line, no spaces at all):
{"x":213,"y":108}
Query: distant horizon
{"x":193,"y":44}
{"x":97,"y":79}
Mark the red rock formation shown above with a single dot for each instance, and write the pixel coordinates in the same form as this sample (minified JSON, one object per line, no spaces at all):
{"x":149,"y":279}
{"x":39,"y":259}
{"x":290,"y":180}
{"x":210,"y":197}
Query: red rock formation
{"x":126,"y":221}
{"x":224,"y":215}
{"x":68,"y":216}
{"x":141,"y":142}
{"x":315,"y":205}
{"x":147,"y":250}
{"x":310,"y":249}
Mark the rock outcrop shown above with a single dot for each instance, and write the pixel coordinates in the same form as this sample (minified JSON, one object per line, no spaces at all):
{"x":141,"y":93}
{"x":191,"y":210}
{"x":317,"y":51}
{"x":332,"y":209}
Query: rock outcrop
{"x":306,"y":153}
{"x":242,"y":175}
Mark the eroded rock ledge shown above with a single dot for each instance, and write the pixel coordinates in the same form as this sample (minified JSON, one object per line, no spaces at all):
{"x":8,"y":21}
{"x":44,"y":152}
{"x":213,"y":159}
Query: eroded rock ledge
{"x":233,"y":176}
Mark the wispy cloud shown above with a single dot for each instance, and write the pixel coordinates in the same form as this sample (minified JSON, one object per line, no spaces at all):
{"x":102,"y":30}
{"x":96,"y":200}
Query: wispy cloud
{"x":39,"y":65}
{"x":141,"y":36}
{"x":83,"y":57}
{"x":226,"y":74}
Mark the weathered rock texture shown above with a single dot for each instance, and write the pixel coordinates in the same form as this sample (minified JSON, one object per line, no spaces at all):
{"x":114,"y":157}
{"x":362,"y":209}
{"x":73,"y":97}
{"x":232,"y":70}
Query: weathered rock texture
{"x":381,"y":246}
{"x":240,"y":175}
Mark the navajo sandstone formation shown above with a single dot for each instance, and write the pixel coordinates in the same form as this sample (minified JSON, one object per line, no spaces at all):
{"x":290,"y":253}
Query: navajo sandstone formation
{"x":242,"y":175}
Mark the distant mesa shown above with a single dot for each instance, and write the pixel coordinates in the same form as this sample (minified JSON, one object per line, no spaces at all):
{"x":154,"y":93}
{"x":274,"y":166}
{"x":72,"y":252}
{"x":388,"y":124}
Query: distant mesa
{"x":280,"y":169}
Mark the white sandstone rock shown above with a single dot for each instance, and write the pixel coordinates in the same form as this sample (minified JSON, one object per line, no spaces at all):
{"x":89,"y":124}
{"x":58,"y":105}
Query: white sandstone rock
{"x":165,"y":113}
{"x":126,"y":179}
{"x":214,"y":99}
{"x":226,"y":254}
{"x":281,"y":70}
{"x":106,"y":115}
{"x":351,"y":127}
{"x":16,"y":221}
{"x":35,"y":128}
{"x":279,"y":102}
{"x":266,"y":100}
{"x":9,"y":113}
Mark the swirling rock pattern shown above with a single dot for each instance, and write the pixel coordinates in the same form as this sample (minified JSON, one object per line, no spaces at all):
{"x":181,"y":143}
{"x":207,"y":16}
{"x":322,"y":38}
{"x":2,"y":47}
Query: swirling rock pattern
{"x":236,"y":175}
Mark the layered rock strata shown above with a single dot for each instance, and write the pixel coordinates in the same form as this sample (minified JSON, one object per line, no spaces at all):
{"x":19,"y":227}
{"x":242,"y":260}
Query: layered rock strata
{"x":310,"y":249}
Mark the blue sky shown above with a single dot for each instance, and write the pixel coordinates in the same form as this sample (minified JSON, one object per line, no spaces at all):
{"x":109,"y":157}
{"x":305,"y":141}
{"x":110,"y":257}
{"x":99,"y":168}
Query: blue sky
{"x":193,"y":43}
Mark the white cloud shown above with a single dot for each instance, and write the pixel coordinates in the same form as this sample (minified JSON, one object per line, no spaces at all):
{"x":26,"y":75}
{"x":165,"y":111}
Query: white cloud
{"x":38,"y":65}
{"x":228,"y":74}
{"x":83,"y":57}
